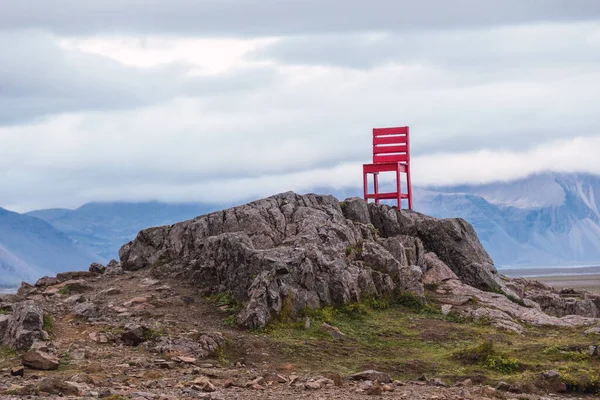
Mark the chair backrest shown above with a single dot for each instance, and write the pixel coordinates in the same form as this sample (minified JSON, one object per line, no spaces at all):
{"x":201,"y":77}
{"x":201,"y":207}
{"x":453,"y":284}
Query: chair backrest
{"x":391,"y":145}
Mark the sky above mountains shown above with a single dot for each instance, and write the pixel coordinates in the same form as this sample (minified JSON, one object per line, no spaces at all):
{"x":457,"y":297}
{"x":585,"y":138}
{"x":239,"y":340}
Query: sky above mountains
{"x":234,"y":99}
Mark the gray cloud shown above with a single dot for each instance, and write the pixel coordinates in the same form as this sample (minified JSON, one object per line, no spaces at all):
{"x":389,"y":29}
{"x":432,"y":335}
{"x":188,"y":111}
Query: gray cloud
{"x":499,"y":50}
{"x":39,"y":78}
{"x":278,"y":17}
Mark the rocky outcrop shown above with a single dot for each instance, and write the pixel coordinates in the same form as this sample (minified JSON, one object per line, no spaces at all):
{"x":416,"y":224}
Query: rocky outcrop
{"x":288,"y":252}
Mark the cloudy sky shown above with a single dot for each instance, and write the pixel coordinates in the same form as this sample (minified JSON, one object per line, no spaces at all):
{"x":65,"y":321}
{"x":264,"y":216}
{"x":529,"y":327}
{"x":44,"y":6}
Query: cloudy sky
{"x":211,"y":100}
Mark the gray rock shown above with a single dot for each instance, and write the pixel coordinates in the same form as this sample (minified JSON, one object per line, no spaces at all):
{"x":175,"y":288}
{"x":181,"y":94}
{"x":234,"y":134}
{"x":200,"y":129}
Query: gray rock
{"x":24,"y":326}
{"x":40,"y":360}
{"x":86,"y":310}
{"x":371,"y":375}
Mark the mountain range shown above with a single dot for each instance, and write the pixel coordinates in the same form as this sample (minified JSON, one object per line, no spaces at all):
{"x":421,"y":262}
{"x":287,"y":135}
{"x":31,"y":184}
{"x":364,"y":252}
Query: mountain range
{"x":548,"y":219}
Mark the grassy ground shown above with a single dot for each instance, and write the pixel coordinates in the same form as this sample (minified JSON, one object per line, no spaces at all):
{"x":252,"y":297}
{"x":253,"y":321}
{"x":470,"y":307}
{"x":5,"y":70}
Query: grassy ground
{"x":407,"y":342}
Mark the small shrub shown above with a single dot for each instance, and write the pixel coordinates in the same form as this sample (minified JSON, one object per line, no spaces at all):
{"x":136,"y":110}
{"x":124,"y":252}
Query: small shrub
{"x":355,"y":310}
{"x":408,"y":300}
{"x":476,"y":354}
{"x":64,"y":291}
{"x":505,"y":365}
{"x":431,"y":286}
{"x":48,"y":323}
{"x":231,"y":320}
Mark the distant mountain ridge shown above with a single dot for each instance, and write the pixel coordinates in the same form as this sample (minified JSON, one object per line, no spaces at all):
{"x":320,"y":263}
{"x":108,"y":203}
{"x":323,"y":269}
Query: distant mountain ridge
{"x":31,"y":247}
{"x":105,"y":227}
{"x":546,"y":219}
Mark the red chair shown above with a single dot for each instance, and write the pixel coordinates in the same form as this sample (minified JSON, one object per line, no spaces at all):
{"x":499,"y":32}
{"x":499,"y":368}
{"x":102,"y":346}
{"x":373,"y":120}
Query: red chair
{"x":391,"y":153}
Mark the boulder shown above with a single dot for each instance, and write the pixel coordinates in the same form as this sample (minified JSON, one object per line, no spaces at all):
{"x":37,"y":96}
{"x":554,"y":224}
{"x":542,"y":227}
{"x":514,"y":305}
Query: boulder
{"x":97,"y":268}
{"x":24,"y":326}
{"x":40,"y":360}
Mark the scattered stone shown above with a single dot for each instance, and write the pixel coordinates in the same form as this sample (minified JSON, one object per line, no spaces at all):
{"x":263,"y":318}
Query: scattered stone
{"x":204,"y":384}
{"x":39,"y":360}
{"x":336,"y":378}
{"x":149,"y":282}
{"x":503,"y":386}
{"x":307,"y":323}
{"x":311,"y":385}
{"x":594,"y":351}
{"x":135,"y":300}
{"x":275,"y":378}
{"x":187,"y":360}
{"x":375,"y":390}
{"x":134,"y":334}
{"x":204,"y":346}
{"x":97,"y":268}
{"x":553,"y":381}
{"x":98,"y":337}
{"x":110,"y":292}
{"x":58,"y":387}
{"x":387,"y":388}
{"x":333,"y":331}
{"x":76,"y":298}
{"x":17,"y":371}
{"x":371,"y":375}
{"x":439,"y":382}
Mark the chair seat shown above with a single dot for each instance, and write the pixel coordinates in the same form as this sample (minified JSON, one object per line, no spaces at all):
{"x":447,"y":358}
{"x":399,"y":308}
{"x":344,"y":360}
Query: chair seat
{"x":387,"y":196}
{"x":384,"y":167}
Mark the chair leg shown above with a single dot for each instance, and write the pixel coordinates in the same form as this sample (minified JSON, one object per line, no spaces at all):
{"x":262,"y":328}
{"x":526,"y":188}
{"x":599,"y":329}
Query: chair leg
{"x":365,"y":183}
{"x":410,"y":203}
{"x":376,"y":182}
{"x":398,"y":187}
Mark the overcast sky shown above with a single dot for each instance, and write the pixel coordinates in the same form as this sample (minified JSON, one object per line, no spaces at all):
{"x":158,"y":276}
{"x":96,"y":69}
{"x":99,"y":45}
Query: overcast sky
{"x":226,"y":100}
